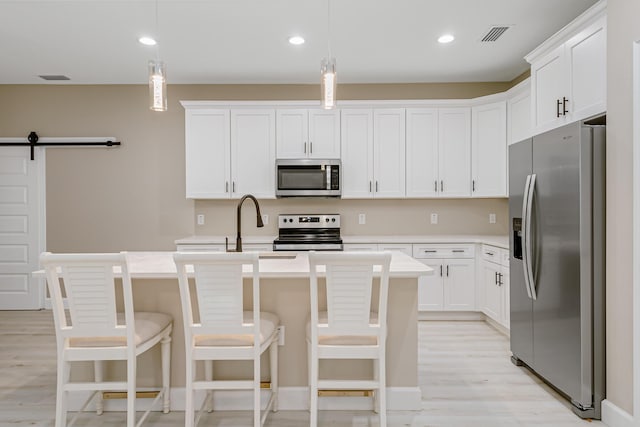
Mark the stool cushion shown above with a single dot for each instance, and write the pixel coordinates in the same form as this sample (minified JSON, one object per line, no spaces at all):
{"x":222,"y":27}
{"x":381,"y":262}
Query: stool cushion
{"x":148,"y":325}
{"x":268,"y":324}
{"x":323,"y":318}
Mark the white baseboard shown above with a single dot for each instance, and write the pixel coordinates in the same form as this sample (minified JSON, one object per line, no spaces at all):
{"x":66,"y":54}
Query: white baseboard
{"x":450,"y":315}
{"x":613,"y":416}
{"x":497,"y":326}
{"x":291,"y":399}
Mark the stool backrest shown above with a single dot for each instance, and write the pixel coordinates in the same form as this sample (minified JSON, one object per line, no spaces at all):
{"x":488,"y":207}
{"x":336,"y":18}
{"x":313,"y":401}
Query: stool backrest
{"x":218,"y":288}
{"x":89,"y":287}
{"x":349,"y":287}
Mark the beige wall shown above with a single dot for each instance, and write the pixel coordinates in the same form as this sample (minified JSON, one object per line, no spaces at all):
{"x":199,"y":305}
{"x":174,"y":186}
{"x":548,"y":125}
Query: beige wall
{"x":132,"y":197}
{"x":623,"y":30}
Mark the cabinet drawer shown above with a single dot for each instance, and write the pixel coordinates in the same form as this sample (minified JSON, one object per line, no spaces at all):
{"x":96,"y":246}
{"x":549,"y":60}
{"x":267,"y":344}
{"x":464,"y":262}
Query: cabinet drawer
{"x":443,"y":251}
{"x":492,"y":254}
{"x":200,"y":248}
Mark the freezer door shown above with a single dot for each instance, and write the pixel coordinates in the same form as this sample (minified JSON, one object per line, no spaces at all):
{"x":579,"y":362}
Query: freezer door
{"x":558,"y":193}
{"x":521,"y":305}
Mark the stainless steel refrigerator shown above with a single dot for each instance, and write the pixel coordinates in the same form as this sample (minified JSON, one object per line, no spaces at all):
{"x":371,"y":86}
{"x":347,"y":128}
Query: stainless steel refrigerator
{"x":557,"y":243}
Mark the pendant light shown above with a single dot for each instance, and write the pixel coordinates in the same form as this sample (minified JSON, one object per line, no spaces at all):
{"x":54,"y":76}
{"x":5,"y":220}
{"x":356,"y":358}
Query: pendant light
{"x":328,"y":77}
{"x":157,"y":78}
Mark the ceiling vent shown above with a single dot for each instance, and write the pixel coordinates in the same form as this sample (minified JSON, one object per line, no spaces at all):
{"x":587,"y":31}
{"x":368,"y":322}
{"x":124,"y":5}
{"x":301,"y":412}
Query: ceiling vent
{"x":54,"y":77}
{"x":494,"y":33}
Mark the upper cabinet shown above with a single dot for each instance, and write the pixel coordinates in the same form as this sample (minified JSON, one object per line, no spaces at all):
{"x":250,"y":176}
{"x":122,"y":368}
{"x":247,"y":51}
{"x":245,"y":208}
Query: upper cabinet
{"x":438,"y":152}
{"x":229,"y":153}
{"x":307,"y":133}
{"x":568,"y":72}
{"x":519,"y":112}
{"x":489,"y":150}
{"x":373,"y":153}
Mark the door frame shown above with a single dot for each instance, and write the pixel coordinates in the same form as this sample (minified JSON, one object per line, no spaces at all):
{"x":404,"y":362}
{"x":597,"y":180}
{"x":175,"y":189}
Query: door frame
{"x":636,"y":232}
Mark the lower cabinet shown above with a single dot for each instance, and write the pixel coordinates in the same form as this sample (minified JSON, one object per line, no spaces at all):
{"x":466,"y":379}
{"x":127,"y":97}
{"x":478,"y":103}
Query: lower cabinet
{"x":452,"y":286}
{"x":494,"y":297}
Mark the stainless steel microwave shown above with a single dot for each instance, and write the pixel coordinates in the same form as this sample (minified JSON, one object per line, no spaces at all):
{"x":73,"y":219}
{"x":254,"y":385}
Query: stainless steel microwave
{"x":308,"y":178}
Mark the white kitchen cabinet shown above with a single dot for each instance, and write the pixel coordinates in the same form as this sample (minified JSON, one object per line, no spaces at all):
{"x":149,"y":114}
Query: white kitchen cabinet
{"x":519,"y":113}
{"x":452,"y":285}
{"x":307,"y":133}
{"x":360,"y":247}
{"x":568,"y":72}
{"x":439,"y":152}
{"x":400,"y":247}
{"x":207,"y":153}
{"x":229,"y":153}
{"x":253,"y":153}
{"x":373,"y":153}
{"x":489,"y":150}
{"x":495,"y":284}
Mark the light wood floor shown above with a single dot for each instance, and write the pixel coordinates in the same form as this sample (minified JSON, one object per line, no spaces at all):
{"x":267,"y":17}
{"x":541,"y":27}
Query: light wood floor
{"x":465,"y":376}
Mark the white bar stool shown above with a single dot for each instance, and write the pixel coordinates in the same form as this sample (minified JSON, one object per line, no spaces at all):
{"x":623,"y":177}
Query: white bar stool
{"x":92,"y":330}
{"x":349,"y":329}
{"x":220,"y":329}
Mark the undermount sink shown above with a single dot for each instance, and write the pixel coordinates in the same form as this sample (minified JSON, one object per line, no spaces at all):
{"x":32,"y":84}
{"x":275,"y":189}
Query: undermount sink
{"x":277,"y":255}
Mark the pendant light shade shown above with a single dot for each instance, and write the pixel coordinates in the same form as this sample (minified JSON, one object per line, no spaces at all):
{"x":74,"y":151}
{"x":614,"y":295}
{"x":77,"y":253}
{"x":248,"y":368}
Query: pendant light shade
{"x":328,"y":82}
{"x":157,"y":86}
{"x":328,"y":77}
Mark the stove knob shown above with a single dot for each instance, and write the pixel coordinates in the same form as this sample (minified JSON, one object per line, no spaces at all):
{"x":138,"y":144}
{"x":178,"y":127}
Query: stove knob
{"x":290,"y":219}
{"x":327,"y":219}
{"x":333,"y":220}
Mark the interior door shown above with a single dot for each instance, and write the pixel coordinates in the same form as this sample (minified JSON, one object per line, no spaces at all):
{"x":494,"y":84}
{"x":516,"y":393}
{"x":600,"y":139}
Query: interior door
{"x":21,"y":228}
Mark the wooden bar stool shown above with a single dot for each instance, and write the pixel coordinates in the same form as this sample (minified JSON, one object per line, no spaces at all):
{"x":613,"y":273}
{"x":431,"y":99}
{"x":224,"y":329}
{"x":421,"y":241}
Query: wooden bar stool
{"x":349,"y":329}
{"x":220,"y":329}
{"x":92,"y":330}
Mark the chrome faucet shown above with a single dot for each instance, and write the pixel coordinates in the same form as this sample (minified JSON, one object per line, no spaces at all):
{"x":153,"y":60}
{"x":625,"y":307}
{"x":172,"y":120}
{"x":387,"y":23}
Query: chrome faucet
{"x":239,"y":222}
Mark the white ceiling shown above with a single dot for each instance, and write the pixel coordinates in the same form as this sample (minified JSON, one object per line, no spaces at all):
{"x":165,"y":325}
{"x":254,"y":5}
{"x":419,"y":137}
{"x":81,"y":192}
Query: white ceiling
{"x":245,"y":41}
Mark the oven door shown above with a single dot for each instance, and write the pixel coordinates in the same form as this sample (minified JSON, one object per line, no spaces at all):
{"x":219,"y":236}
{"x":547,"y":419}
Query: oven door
{"x":308,"y":178}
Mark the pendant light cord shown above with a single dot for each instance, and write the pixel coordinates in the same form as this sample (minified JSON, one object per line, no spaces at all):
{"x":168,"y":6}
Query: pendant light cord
{"x":329,"y":28}
{"x":157,"y":34}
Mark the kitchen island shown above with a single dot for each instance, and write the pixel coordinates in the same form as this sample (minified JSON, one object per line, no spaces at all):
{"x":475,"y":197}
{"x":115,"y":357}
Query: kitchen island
{"x":285,"y":291}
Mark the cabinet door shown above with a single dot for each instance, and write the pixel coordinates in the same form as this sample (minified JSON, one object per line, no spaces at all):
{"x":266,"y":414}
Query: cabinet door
{"x":459,"y":284}
{"x":549,"y":83}
{"x":360,"y":247}
{"x":519,"y":117}
{"x":389,"y":153}
{"x":422,"y":152}
{"x":492,"y":295}
{"x":357,"y":153}
{"x":207,"y":156}
{"x":489,"y":150}
{"x":506,"y":315}
{"x":292,"y":131}
{"x":324,"y":134}
{"x":454,"y":147}
{"x":253,"y":153}
{"x":587,"y":61}
{"x":406,"y":249}
{"x":430,"y":288}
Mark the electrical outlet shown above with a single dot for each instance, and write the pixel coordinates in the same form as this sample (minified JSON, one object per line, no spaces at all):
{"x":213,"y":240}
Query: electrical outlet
{"x":362,"y":219}
{"x":200,"y":219}
{"x":281,"y":335}
{"x":265,"y":219}
{"x":434,"y":218}
{"x":492,"y":218}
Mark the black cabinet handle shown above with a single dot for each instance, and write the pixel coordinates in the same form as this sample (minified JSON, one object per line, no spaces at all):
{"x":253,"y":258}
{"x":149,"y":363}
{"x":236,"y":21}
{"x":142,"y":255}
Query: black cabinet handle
{"x":473,"y":186}
{"x":558,"y":103}
{"x":447,"y":271}
{"x":564,"y":106}
{"x":440,"y":271}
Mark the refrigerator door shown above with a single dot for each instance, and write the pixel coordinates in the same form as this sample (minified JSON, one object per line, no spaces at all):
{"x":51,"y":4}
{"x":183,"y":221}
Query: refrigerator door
{"x":521,"y":305}
{"x":559,"y":330}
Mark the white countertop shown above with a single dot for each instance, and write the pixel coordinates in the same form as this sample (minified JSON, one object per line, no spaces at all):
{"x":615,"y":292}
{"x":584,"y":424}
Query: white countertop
{"x":160,"y":265}
{"x":495,"y":240}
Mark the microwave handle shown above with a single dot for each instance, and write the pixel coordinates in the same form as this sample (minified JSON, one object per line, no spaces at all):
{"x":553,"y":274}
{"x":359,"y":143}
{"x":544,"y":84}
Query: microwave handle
{"x":328,"y":177}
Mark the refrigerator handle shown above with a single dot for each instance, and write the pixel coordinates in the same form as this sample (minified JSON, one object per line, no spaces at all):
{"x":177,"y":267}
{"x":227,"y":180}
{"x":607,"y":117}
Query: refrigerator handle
{"x":528,"y":245}
{"x":525,"y":236}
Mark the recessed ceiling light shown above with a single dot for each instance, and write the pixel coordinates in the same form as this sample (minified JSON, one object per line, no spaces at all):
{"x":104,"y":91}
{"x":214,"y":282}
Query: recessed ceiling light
{"x":446,"y":38}
{"x":296,"y":40}
{"x":147,"y":41}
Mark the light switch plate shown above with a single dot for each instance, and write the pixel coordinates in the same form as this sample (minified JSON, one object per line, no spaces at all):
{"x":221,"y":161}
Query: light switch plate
{"x":265,"y":219}
{"x":434,"y":218}
{"x":492,"y":218}
{"x":362,"y":219}
{"x":200,"y":219}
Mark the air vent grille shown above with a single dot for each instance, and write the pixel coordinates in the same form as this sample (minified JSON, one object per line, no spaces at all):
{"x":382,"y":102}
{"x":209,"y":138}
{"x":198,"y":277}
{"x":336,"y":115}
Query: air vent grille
{"x":494,"y":33}
{"x":54,"y":77}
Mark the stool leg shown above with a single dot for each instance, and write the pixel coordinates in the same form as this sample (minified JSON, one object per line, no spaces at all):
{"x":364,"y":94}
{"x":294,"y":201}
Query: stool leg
{"x":208,"y":376}
{"x":382,"y":390}
{"x":273,"y":361}
{"x":313,"y":387}
{"x":256,"y":391}
{"x":64,"y":370}
{"x":131,"y":390}
{"x":165,"y":345}
{"x":188,"y":395}
{"x":98,"y":372}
